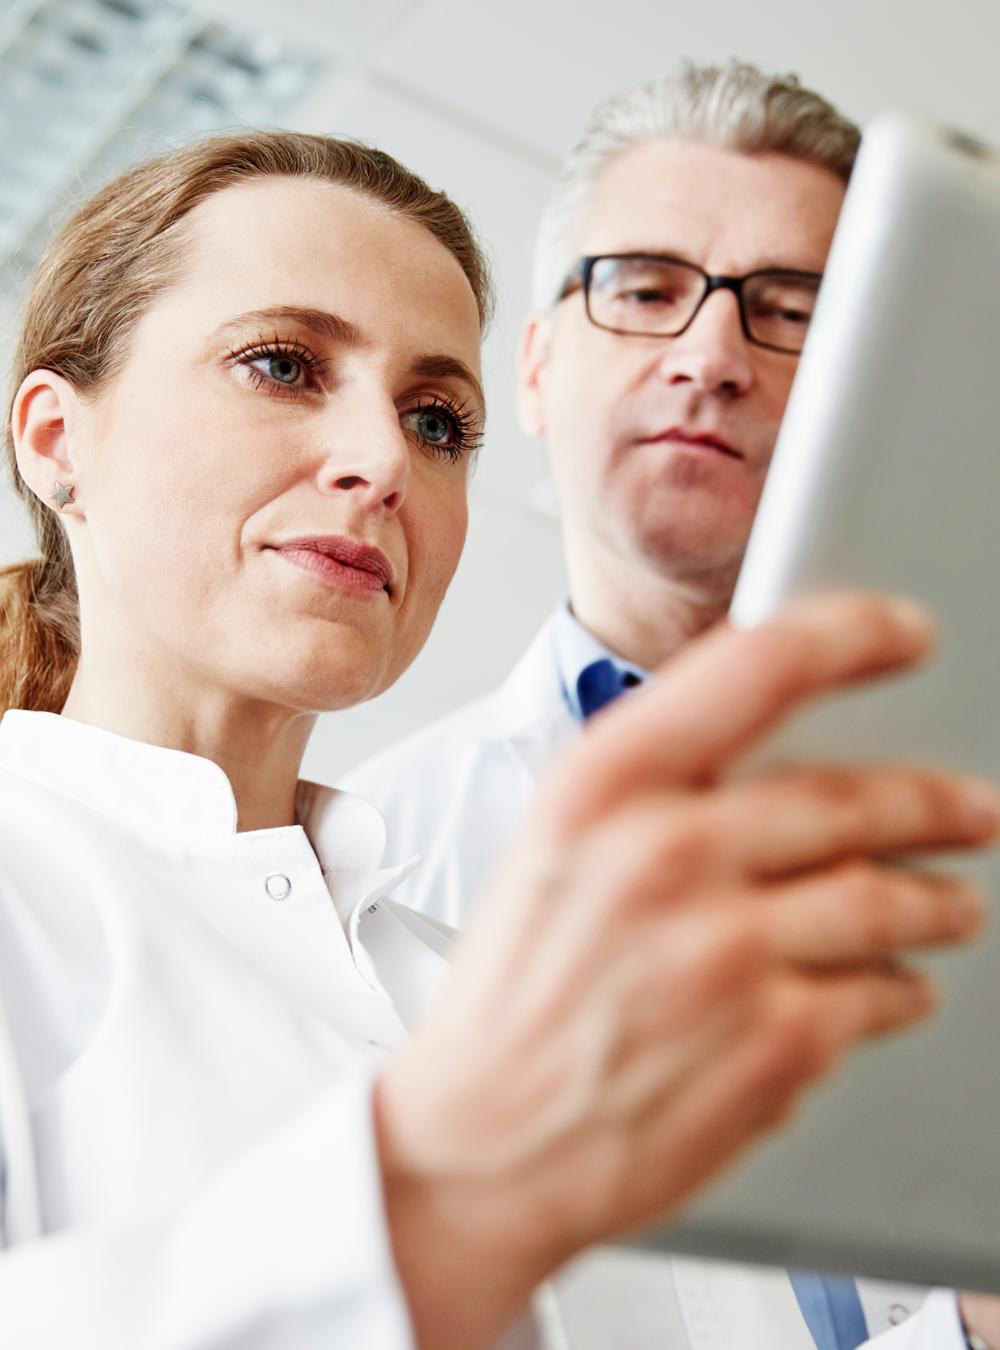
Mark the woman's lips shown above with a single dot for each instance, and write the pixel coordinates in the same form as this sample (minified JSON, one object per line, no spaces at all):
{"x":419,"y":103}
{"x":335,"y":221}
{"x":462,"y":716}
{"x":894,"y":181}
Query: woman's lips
{"x":341,"y":563}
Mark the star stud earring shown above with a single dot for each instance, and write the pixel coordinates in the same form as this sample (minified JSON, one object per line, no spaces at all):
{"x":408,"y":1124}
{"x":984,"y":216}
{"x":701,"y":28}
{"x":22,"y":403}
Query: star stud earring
{"x":62,"y":495}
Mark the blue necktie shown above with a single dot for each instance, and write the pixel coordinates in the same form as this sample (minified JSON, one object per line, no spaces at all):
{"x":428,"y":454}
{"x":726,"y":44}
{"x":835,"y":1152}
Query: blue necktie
{"x":831,"y":1308}
{"x":600,"y":682}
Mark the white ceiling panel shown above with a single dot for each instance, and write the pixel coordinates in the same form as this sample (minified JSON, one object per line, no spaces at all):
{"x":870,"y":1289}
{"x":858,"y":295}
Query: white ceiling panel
{"x":533,"y":68}
{"x":348,"y":29}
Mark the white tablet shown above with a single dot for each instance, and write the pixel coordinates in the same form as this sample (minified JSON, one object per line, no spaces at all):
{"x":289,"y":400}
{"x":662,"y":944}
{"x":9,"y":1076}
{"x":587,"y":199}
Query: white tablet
{"x":887,"y":476}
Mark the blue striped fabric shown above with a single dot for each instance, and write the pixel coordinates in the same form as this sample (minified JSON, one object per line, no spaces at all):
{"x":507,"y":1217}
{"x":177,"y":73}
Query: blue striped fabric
{"x":832,"y":1310}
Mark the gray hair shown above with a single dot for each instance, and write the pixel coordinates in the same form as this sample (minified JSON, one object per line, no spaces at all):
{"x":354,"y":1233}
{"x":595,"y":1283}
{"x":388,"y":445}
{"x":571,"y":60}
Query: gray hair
{"x":735,"y":106}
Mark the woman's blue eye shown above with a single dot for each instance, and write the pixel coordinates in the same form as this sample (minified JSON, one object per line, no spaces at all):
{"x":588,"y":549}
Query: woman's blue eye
{"x":432,"y":426}
{"x":449,"y":432}
{"x":284,"y":369}
{"x":276,"y":365}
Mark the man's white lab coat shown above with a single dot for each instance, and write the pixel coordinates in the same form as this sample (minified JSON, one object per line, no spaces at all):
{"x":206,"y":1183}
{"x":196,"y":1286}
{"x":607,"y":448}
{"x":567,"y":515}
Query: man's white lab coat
{"x":453,"y":793}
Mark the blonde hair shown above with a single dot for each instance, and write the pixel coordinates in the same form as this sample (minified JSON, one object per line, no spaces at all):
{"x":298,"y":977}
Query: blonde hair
{"x":735,"y":106}
{"x":103,"y":270}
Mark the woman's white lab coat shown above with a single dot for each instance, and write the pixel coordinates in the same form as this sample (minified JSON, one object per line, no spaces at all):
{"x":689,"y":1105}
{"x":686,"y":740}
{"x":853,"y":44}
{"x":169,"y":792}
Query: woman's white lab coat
{"x":190,"y":1019}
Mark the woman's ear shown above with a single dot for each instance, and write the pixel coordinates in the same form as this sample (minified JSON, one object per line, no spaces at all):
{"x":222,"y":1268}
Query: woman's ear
{"x":44,"y":410}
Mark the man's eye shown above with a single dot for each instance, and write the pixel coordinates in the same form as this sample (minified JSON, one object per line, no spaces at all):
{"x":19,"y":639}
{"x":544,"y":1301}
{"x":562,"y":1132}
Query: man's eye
{"x":649,"y":295}
{"x":782,"y":313}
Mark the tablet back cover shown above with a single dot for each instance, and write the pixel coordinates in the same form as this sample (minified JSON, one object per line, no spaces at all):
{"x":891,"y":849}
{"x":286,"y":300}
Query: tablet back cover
{"x":887,"y":475}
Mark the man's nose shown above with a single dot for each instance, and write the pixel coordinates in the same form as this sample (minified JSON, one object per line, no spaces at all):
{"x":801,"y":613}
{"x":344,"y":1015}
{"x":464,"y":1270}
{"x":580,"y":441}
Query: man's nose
{"x":368,"y":455}
{"x":713,"y":353}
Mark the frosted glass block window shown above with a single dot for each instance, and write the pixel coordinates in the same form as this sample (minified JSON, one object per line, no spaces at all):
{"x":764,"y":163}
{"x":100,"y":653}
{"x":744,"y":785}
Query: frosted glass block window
{"x":89,"y":86}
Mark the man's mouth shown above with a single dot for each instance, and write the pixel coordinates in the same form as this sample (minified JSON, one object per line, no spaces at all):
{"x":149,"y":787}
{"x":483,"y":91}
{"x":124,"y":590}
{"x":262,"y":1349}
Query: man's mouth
{"x":688,"y":436}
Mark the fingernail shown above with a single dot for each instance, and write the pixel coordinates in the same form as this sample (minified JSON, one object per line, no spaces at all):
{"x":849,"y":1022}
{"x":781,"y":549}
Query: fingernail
{"x":912,"y":615}
{"x":983,"y":798}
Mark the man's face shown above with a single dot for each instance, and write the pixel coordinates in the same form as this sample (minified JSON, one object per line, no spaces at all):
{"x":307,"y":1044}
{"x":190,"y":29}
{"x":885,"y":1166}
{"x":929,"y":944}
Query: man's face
{"x":623,"y":414}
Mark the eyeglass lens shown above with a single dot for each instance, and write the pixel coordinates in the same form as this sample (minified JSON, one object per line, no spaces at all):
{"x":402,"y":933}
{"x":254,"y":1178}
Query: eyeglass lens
{"x":656,"y":297}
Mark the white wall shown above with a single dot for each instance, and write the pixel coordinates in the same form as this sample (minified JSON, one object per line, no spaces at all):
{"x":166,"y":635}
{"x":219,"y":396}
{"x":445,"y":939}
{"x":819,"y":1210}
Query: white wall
{"x":483,"y":99}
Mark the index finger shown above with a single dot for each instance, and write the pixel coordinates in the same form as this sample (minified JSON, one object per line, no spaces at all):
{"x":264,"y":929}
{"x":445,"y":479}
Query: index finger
{"x":726,"y":689}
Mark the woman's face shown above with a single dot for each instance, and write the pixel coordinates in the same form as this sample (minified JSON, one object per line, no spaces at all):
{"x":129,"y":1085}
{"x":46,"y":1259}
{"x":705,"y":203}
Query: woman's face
{"x":274,"y":484}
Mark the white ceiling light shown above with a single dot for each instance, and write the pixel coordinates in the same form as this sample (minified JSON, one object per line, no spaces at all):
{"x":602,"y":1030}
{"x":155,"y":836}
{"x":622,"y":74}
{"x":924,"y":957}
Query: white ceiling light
{"x":89,"y":86}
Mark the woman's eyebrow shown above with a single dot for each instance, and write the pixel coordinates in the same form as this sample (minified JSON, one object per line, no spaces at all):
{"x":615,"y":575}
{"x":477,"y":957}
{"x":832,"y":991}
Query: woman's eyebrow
{"x":449,"y":367}
{"x":336,"y":329}
{"x":319,"y":321}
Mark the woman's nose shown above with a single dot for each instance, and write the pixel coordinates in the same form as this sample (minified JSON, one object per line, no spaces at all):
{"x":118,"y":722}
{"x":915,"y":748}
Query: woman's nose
{"x":369,"y":458}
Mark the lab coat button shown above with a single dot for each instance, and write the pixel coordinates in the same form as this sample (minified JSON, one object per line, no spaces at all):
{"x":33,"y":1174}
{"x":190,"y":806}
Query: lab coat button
{"x":897,"y":1314}
{"x":278,"y":887}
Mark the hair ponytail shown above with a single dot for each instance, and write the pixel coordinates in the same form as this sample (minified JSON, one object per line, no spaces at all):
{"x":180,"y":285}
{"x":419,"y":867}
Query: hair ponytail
{"x":39,"y":624}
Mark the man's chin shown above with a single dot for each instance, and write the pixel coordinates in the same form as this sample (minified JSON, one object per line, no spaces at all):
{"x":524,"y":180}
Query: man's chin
{"x":689,"y":546}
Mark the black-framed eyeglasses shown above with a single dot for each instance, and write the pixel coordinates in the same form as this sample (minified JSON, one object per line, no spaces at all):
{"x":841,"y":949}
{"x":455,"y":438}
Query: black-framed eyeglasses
{"x":656,"y":295}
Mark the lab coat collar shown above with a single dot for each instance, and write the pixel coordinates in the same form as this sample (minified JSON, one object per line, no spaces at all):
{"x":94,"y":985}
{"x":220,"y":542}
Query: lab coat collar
{"x":576,"y":648}
{"x":530,"y":698}
{"x":175,"y":795}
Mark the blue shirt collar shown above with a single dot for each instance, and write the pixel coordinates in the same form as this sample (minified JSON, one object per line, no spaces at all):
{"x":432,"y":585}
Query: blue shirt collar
{"x":576,"y":648}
